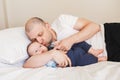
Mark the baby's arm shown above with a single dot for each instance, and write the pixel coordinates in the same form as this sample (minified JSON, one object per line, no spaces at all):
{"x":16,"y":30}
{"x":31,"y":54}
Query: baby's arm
{"x":40,"y":60}
{"x":37,"y":60}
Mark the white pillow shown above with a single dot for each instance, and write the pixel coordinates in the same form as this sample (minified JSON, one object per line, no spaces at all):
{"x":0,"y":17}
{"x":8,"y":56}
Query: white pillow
{"x":13,"y":44}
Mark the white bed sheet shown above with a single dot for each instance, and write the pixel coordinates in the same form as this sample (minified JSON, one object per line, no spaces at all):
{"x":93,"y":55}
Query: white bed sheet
{"x":99,"y":71}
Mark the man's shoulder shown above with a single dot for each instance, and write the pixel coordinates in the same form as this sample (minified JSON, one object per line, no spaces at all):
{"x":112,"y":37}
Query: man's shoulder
{"x":66,"y":16}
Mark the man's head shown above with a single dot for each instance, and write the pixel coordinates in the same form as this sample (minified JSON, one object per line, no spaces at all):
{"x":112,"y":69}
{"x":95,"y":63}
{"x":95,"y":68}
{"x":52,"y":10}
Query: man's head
{"x":36,"y":48}
{"x":39,"y":30}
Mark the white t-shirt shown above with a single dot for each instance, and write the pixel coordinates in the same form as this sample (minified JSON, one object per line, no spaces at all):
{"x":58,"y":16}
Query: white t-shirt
{"x":63,"y":27}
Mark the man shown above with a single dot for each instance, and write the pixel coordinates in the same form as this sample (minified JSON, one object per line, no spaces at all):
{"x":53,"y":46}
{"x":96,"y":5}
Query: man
{"x":68,"y":29}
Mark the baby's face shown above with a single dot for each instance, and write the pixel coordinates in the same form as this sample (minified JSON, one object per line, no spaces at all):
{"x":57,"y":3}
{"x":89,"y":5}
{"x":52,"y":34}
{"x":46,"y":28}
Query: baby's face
{"x":36,"y":48}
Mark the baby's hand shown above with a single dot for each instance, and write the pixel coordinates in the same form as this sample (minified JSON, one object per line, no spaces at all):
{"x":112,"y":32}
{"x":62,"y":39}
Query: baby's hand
{"x":56,"y":43}
{"x":61,"y":58}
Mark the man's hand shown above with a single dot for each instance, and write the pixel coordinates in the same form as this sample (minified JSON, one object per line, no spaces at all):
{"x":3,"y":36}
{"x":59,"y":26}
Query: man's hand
{"x":64,"y":44}
{"x":61,"y":58}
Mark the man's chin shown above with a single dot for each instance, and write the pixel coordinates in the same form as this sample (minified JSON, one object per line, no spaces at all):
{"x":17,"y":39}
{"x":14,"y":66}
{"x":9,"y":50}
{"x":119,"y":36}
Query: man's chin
{"x":46,"y":44}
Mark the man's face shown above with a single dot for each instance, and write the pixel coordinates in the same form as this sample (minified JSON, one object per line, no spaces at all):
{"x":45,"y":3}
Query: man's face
{"x":36,"y":49}
{"x":41,"y":33}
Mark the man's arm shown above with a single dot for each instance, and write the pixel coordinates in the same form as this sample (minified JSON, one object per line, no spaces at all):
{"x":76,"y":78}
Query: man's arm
{"x":86,"y":30}
{"x":40,"y":60}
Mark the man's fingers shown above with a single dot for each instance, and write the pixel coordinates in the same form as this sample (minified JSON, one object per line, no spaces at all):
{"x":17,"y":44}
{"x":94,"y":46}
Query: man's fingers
{"x":63,"y":48}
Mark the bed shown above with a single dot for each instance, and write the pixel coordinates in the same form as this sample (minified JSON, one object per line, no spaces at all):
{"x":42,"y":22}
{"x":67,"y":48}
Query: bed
{"x":13,"y":42}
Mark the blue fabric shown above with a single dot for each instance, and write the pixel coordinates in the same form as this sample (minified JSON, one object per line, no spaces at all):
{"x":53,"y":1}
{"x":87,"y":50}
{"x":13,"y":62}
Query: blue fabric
{"x":85,"y":46}
{"x":80,"y":56}
{"x":52,"y":64}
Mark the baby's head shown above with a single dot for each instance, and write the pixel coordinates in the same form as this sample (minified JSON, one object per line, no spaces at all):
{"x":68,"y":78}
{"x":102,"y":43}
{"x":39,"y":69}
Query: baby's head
{"x":35,"y":48}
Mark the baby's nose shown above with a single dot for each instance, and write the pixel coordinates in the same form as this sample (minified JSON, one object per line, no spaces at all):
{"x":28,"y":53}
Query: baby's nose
{"x":41,"y":51}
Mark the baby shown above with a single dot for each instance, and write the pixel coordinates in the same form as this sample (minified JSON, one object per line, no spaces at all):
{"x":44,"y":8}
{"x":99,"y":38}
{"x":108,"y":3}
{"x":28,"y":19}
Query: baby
{"x":36,"y":48}
{"x":80,"y":54}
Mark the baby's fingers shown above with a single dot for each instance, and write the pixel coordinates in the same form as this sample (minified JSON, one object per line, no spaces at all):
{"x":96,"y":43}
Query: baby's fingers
{"x":68,"y":61}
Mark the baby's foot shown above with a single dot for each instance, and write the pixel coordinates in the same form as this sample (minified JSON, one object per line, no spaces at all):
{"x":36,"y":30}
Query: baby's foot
{"x":102,"y":58}
{"x":95,"y":52}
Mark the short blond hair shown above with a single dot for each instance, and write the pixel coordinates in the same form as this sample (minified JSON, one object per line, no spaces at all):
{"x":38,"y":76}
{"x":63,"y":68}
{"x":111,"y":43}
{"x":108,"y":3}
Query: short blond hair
{"x":32,"y":21}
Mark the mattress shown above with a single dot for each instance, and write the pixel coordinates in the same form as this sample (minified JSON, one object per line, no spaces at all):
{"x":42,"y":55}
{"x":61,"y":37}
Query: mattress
{"x":98,"y":71}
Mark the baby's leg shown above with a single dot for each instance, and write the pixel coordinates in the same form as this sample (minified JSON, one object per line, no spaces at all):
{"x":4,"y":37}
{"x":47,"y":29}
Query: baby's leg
{"x":95,"y":52}
{"x":102,"y":58}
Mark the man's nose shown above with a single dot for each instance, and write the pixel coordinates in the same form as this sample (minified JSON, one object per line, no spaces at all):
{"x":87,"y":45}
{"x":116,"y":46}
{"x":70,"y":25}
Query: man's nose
{"x":40,"y":40}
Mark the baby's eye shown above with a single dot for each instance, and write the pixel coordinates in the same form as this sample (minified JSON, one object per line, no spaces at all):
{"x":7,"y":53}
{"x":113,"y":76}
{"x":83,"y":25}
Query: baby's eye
{"x":33,"y":40}
{"x":36,"y":50}
{"x":40,"y":46}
